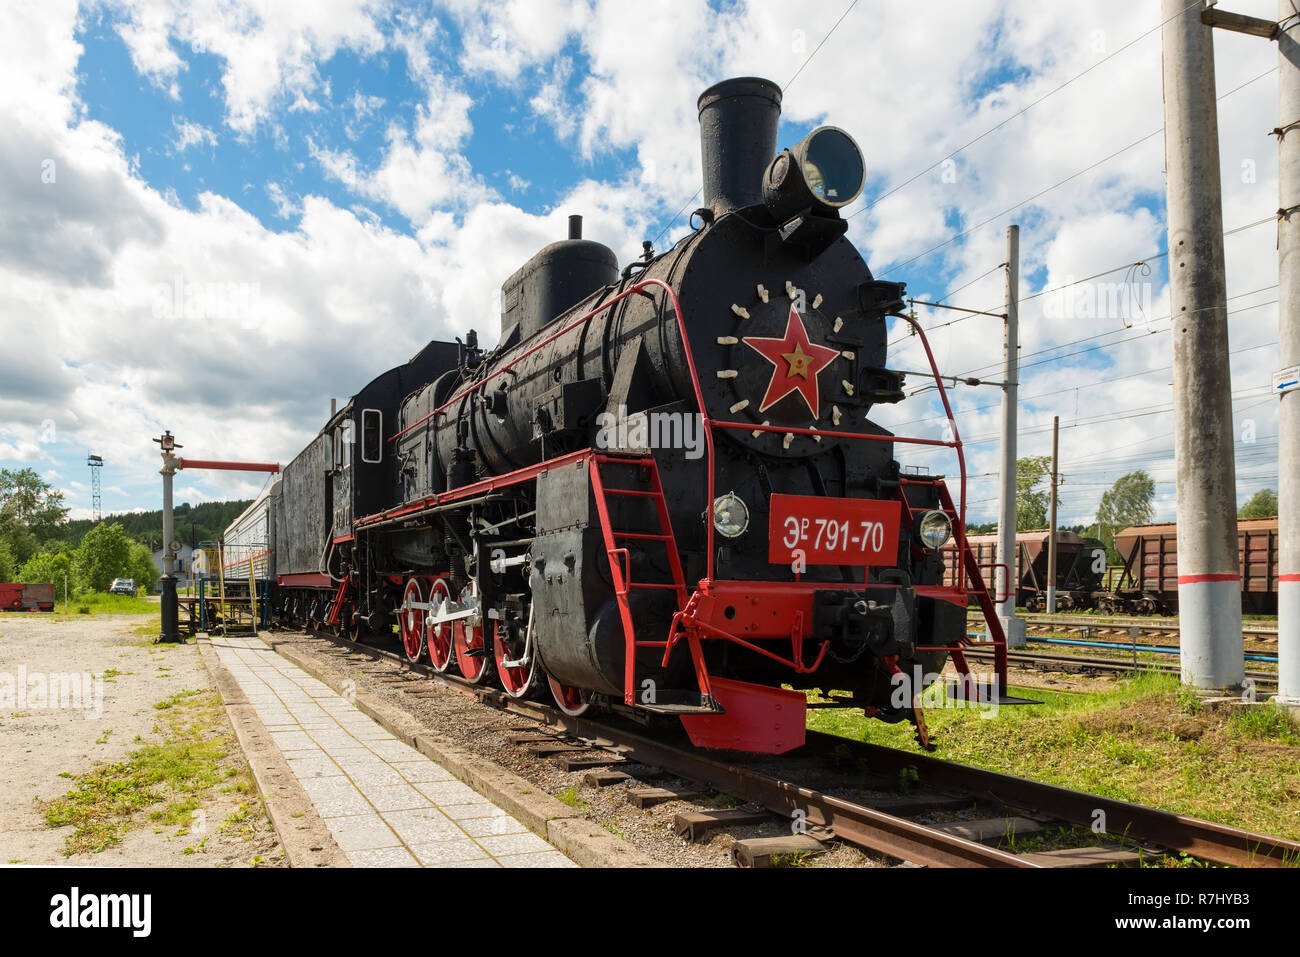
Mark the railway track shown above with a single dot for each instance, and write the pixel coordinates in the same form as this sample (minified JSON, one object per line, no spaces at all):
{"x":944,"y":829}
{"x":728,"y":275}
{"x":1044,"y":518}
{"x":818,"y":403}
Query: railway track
{"x":1122,"y":628}
{"x":1081,"y":664}
{"x":1014,"y":805}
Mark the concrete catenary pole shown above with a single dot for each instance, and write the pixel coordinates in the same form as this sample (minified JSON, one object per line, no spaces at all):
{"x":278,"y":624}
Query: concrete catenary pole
{"x":1288,"y":313}
{"x":1051,"y":520}
{"x":1209,"y":582}
{"x":1011,"y":625}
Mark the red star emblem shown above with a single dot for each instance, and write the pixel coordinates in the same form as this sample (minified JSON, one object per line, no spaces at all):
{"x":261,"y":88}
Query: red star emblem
{"x":796,"y":363}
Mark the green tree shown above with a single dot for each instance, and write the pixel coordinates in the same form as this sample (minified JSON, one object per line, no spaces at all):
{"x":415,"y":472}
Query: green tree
{"x":8,"y":564}
{"x":104,"y":554}
{"x":17,"y":537}
{"x":46,"y":567}
{"x":32,"y":501}
{"x":1263,"y":504}
{"x":1130,"y":501}
{"x":1033,"y":475}
{"x":142,"y":568}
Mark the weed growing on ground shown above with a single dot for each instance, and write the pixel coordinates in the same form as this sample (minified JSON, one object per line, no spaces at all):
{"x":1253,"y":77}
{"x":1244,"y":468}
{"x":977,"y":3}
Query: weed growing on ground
{"x":162,"y":782}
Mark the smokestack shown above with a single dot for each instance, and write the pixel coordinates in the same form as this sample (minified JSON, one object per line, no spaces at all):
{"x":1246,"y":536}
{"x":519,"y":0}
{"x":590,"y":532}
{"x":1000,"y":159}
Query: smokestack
{"x":738,"y":121}
{"x":575,"y":227}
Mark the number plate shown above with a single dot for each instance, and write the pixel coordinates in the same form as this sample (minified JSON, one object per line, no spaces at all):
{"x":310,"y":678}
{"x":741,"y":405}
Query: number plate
{"x":832,"y":531}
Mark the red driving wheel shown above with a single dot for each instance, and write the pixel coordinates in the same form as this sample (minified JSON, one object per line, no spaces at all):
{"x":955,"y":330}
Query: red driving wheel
{"x":438,"y":638}
{"x":572,"y":701}
{"x":472,"y":655}
{"x":516,"y":680}
{"x":412,"y":620}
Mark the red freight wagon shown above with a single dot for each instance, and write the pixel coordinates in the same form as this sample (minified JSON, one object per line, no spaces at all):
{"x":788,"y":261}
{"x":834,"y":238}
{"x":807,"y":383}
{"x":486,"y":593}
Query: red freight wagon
{"x":1150,"y":554}
{"x":15,"y":597}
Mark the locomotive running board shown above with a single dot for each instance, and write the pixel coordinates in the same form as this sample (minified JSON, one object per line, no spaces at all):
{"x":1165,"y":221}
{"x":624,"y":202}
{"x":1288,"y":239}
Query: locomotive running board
{"x":757,"y":718}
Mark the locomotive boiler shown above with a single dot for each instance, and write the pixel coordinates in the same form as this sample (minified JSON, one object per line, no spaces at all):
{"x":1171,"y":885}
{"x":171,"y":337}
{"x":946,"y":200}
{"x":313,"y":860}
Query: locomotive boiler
{"x":662,"y":490}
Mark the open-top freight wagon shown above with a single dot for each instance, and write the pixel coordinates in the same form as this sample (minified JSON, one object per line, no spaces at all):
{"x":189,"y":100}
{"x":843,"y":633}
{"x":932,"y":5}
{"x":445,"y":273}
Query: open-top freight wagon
{"x":1148,"y":582}
{"x":1080,"y":569}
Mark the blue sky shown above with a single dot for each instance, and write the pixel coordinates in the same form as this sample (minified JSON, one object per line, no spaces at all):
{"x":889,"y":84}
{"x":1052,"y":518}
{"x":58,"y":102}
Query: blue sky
{"x":368,"y":172}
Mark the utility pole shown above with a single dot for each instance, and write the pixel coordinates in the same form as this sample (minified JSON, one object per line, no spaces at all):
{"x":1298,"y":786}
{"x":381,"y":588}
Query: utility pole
{"x":1209,"y":577}
{"x":1051,"y":521}
{"x":1288,"y":320}
{"x":1013,"y":627}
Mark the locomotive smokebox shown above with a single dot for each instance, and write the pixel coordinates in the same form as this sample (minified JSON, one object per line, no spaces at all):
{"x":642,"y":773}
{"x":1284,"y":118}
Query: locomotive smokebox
{"x":738,"y":124}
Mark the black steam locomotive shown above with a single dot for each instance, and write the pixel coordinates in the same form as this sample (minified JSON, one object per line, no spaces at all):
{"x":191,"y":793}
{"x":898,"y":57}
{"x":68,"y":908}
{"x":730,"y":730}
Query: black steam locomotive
{"x":662,"y":489}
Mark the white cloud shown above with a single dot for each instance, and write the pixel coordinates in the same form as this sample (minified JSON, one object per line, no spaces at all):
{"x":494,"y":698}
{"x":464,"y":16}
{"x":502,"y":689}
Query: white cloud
{"x":269,"y":49}
{"x":284,"y":206}
{"x":422,"y":169}
{"x":191,"y":134}
{"x":82,"y":259}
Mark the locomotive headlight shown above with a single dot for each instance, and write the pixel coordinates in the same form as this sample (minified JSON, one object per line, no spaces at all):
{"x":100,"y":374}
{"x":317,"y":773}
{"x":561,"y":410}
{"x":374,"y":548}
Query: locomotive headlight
{"x":823,"y":172}
{"x":934,"y":528}
{"x":730,"y":515}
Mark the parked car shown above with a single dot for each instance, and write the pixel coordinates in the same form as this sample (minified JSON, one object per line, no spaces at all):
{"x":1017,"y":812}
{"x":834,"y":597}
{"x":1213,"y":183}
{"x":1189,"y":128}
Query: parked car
{"x":122,"y":586}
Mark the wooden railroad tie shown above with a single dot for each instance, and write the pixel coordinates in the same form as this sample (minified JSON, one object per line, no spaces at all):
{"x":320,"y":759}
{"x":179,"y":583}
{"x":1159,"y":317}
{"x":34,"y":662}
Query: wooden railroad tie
{"x":693,"y":825}
{"x":580,"y":762}
{"x":990,"y":830}
{"x":1103,"y":856}
{"x":768,"y":851}
{"x":526,"y":737}
{"x":908,"y":805}
{"x":604,"y":779}
{"x":649,"y":797}
{"x":554,"y":747}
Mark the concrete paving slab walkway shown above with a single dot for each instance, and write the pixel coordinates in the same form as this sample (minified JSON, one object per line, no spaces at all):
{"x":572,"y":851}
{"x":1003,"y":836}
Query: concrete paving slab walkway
{"x":386,"y":804}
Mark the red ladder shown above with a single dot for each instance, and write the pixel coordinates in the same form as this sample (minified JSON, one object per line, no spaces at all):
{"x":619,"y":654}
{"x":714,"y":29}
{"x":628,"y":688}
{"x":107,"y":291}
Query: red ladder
{"x":620,"y":565}
{"x":970,"y":564}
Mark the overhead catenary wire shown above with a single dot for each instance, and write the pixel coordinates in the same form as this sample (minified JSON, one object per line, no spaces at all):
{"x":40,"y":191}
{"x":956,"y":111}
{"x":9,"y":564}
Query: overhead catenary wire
{"x":1090,"y":385}
{"x":1101,"y":419}
{"x":1021,"y":112}
{"x":1111,"y":332}
{"x":1048,"y":189}
{"x":1076,"y":282}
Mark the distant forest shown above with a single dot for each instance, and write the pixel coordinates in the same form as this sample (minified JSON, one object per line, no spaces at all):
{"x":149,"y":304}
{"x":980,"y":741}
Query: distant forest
{"x":193,"y":523}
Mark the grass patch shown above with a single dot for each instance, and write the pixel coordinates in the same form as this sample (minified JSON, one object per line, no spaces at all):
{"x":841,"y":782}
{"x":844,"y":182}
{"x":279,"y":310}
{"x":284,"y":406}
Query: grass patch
{"x":163,"y":782}
{"x":571,"y":797}
{"x":1145,"y":739}
{"x":105,"y":604}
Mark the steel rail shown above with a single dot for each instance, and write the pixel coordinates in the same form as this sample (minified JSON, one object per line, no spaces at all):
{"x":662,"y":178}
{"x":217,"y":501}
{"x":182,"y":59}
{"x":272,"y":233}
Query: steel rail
{"x":1205,"y":839}
{"x":1261,"y":678}
{"x":1145,"y":624}
{"x":884,"y":833}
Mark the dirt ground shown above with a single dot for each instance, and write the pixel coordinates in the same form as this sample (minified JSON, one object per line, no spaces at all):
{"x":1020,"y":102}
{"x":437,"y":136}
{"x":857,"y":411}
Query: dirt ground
{"x":44,"y":748}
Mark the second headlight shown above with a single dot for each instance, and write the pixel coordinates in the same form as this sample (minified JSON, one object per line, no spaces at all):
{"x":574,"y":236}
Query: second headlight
{"x":934,"y":528}
{"x":730,"y":515}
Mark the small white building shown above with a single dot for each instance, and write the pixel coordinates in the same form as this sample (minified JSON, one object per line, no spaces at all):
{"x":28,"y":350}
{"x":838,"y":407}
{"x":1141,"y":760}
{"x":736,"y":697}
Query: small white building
{"x":184,"y":560}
